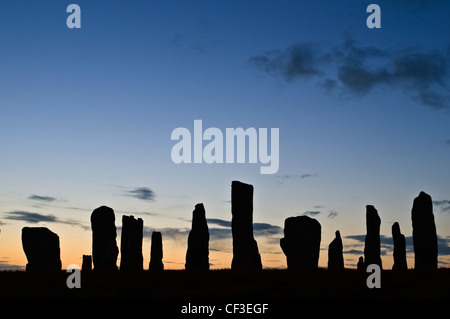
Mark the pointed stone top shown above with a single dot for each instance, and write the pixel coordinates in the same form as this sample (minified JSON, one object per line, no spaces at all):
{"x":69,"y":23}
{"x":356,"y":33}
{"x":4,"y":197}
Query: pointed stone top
{"x":423,"y":194}
{"x":396,"y":228}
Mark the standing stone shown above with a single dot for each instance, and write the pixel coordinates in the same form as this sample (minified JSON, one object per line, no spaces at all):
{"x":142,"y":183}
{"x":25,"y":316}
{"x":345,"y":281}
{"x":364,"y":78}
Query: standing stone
{"x":301,"y":242}
{"x":104,"y":246}
{"x":156,"y":252}
{"x":424,"y":232}
{"x":245,"y":248}
{"x":197,"y":255}
{"x":335,"y":256}
{"x":41,"y":247}
{"x":360,"y":264}
{"x":87,"y":263}
{"x":372,"y":248}
{"x":399,"y":248}
{"x":131,"y":243}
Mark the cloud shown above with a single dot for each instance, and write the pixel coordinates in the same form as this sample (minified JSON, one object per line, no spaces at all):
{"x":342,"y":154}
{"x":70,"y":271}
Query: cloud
{"x":259,"y":229}
{"x":142,"y":193}
{"x":332,"y":214}
{"x":298,"y":60}
{"x":220,"y":222}
{"x":42,"y":198}
{"x":421,"y":74}
{"x":220,"y":237}
{"x":357,"y":70}
{"x":6,"y":266}
{"x":311,"y":213}
{"x":34,"y":218}
{"x":388,"y":245}
{"x":280,"y":179}
{"x":353,"y":252}
{"x":29,"y":217}
{"x":263,"y":229}
{"x":443,"y":205}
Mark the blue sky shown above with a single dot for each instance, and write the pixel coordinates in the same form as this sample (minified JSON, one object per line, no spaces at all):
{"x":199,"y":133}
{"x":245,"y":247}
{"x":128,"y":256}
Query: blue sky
{"x":86,"y":116}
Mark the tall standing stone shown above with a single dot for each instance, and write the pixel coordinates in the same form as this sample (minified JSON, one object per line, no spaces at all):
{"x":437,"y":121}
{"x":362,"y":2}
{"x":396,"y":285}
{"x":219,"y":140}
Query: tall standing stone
{"x":87,"y":263}
{"x":372,"y":248}
{"x":131,"y":243}
{"x":41,"y":247}
{"x":335,"y":256}
{"x":197,"y":255}
{"x":424,"y":232}
{"x":156,"y":252}
{"x":399,"y":248}
{"x":245,"y":248}
{"x":301,"y":242}
{"x":104,"y":246}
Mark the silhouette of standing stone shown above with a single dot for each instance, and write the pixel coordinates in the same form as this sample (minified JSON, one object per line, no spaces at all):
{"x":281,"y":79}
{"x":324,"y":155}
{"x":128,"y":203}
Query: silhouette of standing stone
{"x":399,"y":248}
{"x":245,"y":248}
{"x":372,"y":248}
{"x":197,"y":255}
{"x":301,"y":242}
{"x":360,"y":265}
{"x":424,"y":232}
{"x":87,"y":263}
{"x":335,"y":257}
{"x":41,"y":246}
{"x":156,"y":252}
{"x":104,"y":246}
{"x":131,"y":243}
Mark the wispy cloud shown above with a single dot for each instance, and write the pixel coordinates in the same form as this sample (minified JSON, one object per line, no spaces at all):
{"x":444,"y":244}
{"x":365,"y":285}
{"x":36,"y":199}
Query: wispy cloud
{"x":219,"y":222}
{"x":220,"y":237}
{"x":34,"y":218}
{"x":442,"y":205}
{"x":358,"y":70}
{"x":332,"y":214}
{"x":311,"y":213}
{"x":297,"y":60}
{"x":387,"y":244}
{"x":280,"y":179}
{"x":142,"y":193}
{"x":42,"y":198}
{"x":6,"y":266}
{"x":29,"y":217}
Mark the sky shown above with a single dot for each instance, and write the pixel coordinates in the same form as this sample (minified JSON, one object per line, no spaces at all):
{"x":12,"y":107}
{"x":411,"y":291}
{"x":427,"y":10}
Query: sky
{"x":87,"y":114}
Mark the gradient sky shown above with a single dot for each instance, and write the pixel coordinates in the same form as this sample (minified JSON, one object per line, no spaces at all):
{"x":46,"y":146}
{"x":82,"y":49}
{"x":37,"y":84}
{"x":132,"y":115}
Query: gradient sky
{"x":86,"y":117}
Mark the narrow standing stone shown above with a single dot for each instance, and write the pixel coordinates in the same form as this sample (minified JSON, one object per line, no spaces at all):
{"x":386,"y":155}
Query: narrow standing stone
{"x":399,"y":248}
{"x":245,"y":247}
{"x":131,"y":243}
{"x":424,"y":232}
{"x":335,"y":256}
{"x":87,"y":263}
{"x":156,"y":252}
{"x":197,"y":255}
{"x":372,"y":248}
{"x":104,"y":246}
